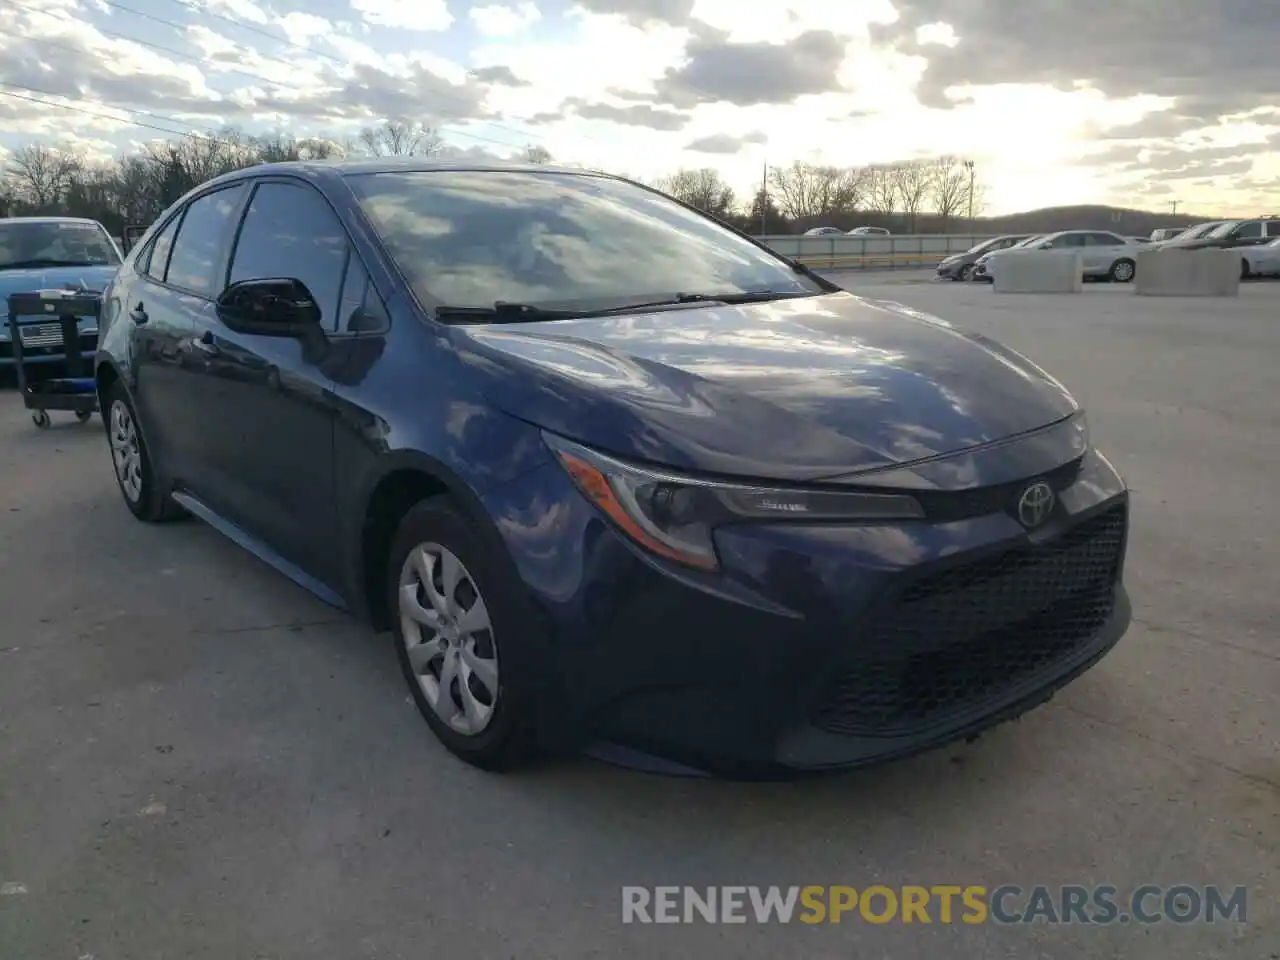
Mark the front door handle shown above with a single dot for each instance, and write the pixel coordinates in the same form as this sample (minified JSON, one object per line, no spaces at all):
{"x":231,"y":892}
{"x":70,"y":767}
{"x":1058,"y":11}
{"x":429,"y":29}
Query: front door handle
{"x":138,"y":315}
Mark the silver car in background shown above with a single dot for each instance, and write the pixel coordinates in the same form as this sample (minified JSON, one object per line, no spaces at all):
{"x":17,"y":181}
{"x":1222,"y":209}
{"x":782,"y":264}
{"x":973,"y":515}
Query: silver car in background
{"x":1103,"y":254}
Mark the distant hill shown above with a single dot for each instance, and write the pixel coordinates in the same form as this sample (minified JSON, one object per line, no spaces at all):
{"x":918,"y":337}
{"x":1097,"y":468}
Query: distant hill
{"x":1138,"y":223}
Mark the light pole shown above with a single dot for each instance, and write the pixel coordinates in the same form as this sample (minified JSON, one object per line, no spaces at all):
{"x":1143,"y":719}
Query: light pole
{"x":764,"y":197}
{"x":968,"y":165}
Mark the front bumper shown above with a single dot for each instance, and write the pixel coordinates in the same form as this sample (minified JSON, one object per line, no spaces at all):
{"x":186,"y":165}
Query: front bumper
{"x":819,"y":647}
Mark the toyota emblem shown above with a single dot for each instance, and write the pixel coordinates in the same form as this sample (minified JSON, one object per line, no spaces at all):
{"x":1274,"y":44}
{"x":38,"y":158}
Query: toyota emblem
{"x":1035,"y":504}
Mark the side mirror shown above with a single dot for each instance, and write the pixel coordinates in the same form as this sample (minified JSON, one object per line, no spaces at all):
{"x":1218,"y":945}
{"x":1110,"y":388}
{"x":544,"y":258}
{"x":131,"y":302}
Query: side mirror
{"x":281,"y":307}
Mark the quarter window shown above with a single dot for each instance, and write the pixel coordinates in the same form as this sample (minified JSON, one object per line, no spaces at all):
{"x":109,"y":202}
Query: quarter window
{"x":202,"y":240}
{"x":157,"y":258}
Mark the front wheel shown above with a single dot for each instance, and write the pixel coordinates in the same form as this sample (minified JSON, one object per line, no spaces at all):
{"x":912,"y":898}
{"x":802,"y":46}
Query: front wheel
{"x":1244,"y":269}
{"x":458,"y":633}
{"x":1122,"y":271}
{"x":966,"y":273}
{"x":134,"y":468}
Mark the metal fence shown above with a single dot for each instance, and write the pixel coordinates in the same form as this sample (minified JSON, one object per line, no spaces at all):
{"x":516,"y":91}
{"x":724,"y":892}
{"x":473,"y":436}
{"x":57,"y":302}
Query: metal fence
{"x":843,"y":252}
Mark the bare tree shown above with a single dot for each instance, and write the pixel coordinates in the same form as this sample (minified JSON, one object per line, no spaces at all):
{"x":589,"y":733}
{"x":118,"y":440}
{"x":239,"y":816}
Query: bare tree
{"x":280,"y":147}
{"x":913,"y":180}
{"x":949,"y":183}
{"x":805,"y":191}
{"x":42,"y":174}
{"x":702,"y":188}
{"x":882,"y":190}
{"x":398,"y":138}
{"x":535,"y":153}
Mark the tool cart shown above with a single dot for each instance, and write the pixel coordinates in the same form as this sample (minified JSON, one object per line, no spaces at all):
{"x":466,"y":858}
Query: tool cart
{"x":46,"y":323}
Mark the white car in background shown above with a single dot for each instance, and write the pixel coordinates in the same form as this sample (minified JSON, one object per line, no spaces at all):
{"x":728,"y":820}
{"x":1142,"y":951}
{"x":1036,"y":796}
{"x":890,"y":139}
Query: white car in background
{"x":1261,"y":261}
{"x":1102,"y":253}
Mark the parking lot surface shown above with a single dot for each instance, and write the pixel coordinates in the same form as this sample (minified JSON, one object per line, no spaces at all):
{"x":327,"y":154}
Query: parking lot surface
{"x":199,"y":760}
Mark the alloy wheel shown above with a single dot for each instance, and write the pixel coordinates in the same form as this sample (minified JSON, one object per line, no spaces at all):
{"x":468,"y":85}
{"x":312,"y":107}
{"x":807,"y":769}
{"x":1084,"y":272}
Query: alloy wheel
{"x":449,"y":639}
{"x":1123,"y":271}
{"x":126,"y":452}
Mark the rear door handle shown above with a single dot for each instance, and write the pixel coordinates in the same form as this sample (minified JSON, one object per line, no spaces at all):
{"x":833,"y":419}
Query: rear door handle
{"x":138,"y":315}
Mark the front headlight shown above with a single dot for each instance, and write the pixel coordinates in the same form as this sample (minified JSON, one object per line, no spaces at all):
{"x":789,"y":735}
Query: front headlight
{"x":673,"y":515}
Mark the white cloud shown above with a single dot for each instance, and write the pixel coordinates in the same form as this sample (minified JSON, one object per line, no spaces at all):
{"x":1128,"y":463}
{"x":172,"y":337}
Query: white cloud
{"x":423,"y":15}
{"x":941,"y":34}
{"x":302,"y":27}
{"x":499,"y":20}
{"x":239,"y":9}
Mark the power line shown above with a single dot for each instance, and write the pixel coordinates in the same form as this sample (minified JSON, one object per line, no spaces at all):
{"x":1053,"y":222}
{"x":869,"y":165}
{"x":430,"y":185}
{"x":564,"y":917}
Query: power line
{"x":253,"y":28}
{"x":97,"y":113}
{"x":140,"y":112}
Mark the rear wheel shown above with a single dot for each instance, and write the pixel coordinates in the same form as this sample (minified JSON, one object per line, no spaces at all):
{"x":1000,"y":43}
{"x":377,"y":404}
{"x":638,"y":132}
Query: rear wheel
{"x":458,"y":629}
{"x":134,"y":468}
{"x":1122,"y":271}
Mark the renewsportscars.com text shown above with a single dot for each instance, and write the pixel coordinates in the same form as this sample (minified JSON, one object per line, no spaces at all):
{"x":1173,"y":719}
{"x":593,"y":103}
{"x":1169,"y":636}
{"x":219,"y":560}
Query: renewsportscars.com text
{"x":945,"y":904}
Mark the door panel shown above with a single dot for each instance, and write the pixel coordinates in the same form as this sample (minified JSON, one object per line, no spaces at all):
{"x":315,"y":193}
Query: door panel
{"x":270,"y":399}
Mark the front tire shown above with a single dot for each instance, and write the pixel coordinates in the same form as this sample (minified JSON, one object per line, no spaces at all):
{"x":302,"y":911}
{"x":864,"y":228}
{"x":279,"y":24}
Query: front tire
{"x":458,"y":630}
{"x":966,"y":273}
{"x":134,"y":467}
{"x":1244,"y":269}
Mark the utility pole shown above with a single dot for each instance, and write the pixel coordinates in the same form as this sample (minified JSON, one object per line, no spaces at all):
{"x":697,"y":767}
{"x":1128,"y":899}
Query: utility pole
{"x":1175,"y":207}
{"x":969,"y":165}
{"x":764,"y":198}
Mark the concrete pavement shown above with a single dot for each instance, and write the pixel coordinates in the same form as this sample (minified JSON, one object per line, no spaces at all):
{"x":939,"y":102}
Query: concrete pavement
{"x":198,"y":760}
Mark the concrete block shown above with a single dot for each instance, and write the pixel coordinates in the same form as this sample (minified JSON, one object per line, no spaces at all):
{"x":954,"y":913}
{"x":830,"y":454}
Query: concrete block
{"x":1037,"y":271}
{"x":1170,"y":272}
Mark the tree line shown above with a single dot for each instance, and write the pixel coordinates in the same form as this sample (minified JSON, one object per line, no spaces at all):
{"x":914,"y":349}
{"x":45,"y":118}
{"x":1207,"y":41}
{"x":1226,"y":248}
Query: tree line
{"x":51,"y":181}
{"x":918,"y":196}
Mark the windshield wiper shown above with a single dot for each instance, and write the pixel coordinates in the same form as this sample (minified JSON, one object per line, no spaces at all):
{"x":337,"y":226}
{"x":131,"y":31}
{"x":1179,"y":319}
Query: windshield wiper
{"x":749,"y":296}
{"x":502,"y":312}
{"x":48,"y":262}
{"x":506,"y":312}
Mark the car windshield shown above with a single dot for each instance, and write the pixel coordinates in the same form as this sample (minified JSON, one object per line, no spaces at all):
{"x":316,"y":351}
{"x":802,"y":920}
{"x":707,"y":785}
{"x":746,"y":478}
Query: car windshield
{"x":1223,"y":229}
{"x":469,"y":238}
{"x":54,"y":243}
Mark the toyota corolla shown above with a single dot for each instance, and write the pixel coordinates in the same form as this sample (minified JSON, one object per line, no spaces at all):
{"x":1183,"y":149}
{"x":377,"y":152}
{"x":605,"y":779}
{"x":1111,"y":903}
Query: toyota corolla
{"x":614,"y":477}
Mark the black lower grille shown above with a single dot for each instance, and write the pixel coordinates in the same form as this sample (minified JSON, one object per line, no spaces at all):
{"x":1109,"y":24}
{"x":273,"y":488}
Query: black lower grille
{"x":964,"y":636}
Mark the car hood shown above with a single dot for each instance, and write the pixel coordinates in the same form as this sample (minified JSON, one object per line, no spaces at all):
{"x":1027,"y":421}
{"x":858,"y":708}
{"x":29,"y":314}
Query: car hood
{"x":788,"y":390}
{"x":53,"y":278}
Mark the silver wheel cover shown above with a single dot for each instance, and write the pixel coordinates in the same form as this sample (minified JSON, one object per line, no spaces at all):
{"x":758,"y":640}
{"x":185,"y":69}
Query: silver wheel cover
{"x":449,"y":638}
{"x":126,"y":453}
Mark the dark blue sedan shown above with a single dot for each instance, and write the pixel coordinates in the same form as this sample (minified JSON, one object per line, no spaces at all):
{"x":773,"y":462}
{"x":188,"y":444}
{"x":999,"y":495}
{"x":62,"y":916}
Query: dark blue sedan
{"x":615,"y":477}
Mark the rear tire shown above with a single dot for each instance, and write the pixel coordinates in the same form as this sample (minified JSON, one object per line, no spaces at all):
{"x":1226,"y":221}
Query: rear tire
{"x":461,"y":637}
{"x":134,"y":467}
{"x":1122,"y":271}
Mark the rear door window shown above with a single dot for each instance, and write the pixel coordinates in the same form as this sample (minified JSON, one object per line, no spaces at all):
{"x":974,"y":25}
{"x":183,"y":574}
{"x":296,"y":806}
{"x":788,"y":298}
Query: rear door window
{"x":1247,"y":231}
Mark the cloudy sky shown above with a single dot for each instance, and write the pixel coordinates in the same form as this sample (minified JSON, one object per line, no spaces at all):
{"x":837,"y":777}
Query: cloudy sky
{"x":1137,"y":102}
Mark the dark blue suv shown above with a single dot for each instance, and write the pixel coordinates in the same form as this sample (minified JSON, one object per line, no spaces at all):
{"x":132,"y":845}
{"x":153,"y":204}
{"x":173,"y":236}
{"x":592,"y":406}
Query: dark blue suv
{"x":616,"y":477}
